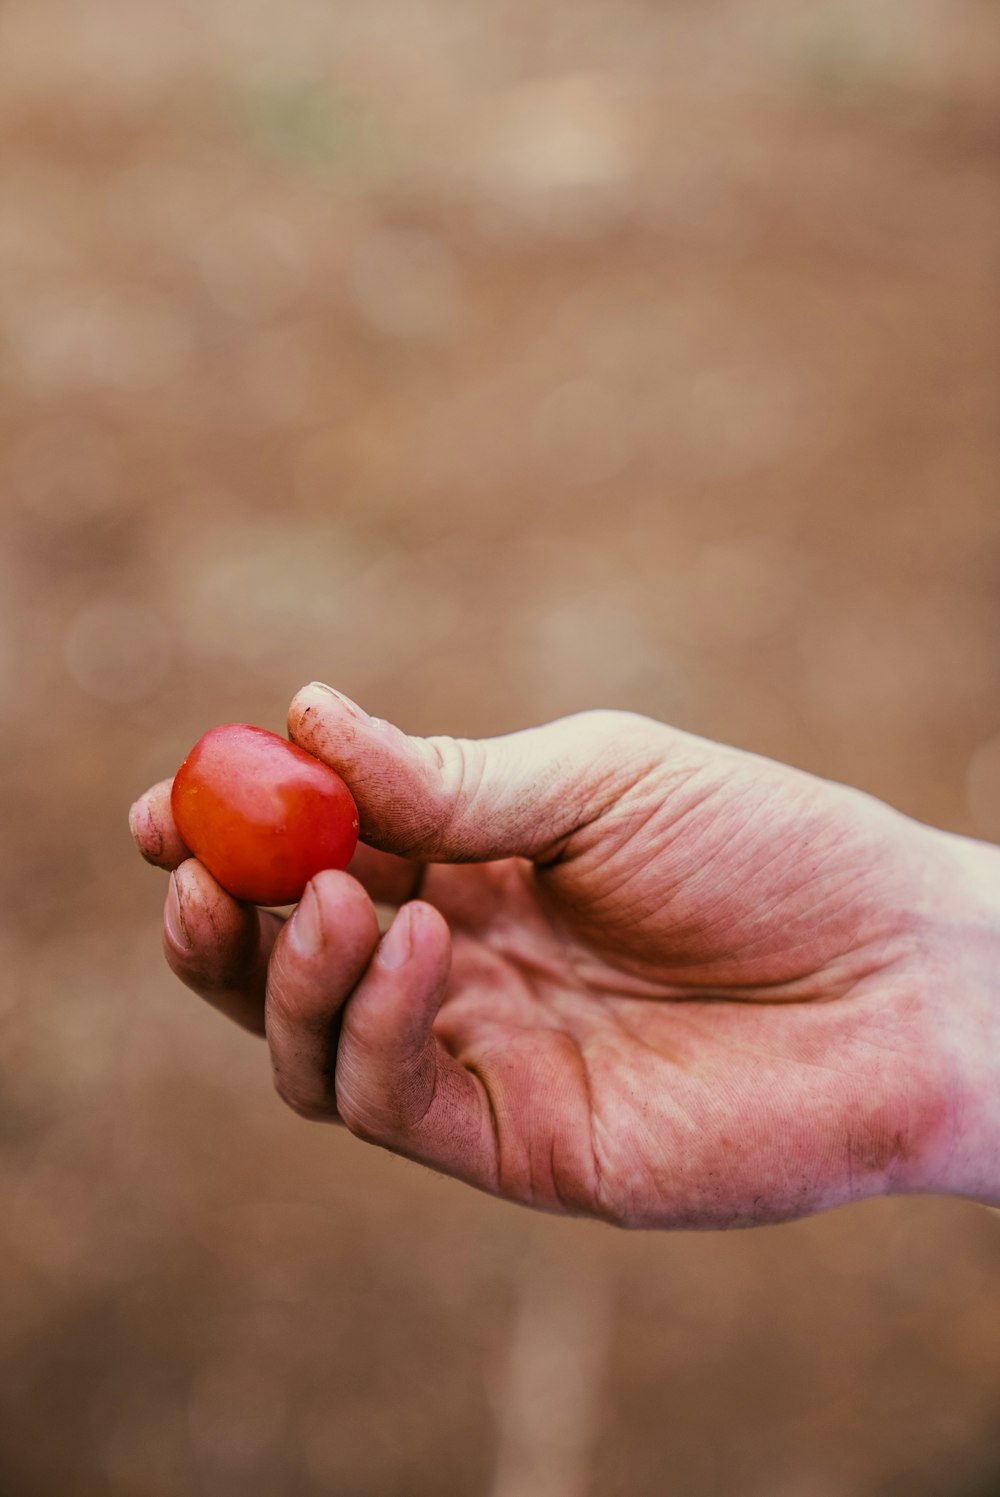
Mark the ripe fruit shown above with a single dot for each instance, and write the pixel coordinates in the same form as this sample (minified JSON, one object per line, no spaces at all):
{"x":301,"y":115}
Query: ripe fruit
{"x":262,"y":814}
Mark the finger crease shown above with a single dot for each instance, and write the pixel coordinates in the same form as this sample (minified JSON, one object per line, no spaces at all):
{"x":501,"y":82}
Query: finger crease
{"x":494,"y":1122}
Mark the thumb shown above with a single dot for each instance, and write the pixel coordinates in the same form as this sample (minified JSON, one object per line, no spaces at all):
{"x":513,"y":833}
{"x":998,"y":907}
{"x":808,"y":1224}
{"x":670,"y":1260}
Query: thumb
{"x":472,"y":800}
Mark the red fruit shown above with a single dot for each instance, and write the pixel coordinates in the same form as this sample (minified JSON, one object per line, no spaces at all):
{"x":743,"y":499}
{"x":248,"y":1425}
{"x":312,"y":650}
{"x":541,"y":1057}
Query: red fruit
{"x":262,"y":814}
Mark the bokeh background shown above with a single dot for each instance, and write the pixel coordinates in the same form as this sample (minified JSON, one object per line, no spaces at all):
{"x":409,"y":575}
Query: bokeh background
{"x":489,"y":359}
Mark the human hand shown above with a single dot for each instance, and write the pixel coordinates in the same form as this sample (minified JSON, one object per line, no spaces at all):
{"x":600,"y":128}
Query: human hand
{"x":633,"y":974}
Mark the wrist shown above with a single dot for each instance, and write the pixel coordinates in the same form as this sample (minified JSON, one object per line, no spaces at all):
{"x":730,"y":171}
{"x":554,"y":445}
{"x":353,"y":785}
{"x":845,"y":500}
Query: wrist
{"x":960,"y":985}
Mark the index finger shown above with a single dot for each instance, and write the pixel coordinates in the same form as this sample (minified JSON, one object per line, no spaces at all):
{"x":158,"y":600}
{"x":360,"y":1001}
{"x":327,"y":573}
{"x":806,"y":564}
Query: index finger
{"x":152,"y":825}
{"x":388,"y":879}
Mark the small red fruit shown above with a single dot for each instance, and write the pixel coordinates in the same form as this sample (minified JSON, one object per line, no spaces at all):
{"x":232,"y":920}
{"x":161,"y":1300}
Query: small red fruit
{"x":262,"y":814}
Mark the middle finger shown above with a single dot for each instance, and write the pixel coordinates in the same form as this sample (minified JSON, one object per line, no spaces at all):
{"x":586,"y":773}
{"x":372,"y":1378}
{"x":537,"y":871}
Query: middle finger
{"x":217,"y":946}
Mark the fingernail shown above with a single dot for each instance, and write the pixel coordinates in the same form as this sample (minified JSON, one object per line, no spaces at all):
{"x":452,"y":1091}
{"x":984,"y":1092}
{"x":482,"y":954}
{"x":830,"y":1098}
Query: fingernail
{"x":345,"y":702}
{"x":396,"y":945}
{"x":173,"y":917}
{"x":305,"y":929}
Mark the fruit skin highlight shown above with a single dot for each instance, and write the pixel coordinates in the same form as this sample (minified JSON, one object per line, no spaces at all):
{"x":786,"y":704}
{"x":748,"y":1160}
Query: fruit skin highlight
{"x":262,"y":814}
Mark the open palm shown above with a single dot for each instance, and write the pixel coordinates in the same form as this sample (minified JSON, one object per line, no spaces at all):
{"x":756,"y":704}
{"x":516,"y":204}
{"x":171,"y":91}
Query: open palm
{"x":633,"y":975}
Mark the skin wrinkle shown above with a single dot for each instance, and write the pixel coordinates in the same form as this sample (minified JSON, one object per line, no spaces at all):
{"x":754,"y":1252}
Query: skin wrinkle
{"x":530,"y":973}
{"x":589,"y":1188}
{"x":181,"y":897}
{"x":752,"y":867}
{"x":683,"y":879}
{"x":159,"y":842}
{"x":602,"y":790}
{"x":589,"y":818}
{"x":577,"y":957}
{"x":705,"y":1028}
{"x":702,"y":988}
{"x":466,"y":794}
{"x":542,"y":1180}
{"x":875,"y":1155}
{"x":232,"y":962}
{"x":758,"y":946}
{"x":436,"y":749}
{"x":660,"y":1184}
{"x":569,"y":947}
{"x":749,"y":865}
{"x":747,"y":950}
{"x":528,"y":985}
{"x":554,"y":1176}
{"x":455,"y":765}
{"x":614,"y":889}
{"x":592,"y":1124}
{"x":486,"y":1094}
{"x":814,"y":986}
{"x":631,"y":828}
{"x":639,"y":1181}
{"x":381,"y":1113}
{"x":426,"y":1044}
{"x":414,"y":1123}
{"x":662,"y":1051}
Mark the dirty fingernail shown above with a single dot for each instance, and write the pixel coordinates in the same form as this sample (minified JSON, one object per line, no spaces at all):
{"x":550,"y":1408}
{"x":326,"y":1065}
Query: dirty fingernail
{"x":397,"y":943}
{"x":173,"y":917}
{"x":305,"y":929}
{"x":345,"y":702}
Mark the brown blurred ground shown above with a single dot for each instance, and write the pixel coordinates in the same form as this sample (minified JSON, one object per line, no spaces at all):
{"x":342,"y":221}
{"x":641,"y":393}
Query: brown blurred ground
{"x":489,"y":360}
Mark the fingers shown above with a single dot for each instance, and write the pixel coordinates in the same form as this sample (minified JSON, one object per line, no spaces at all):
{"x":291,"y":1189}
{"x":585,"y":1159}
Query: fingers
{"x":461,"y":800}
{"x":350,"y":1025}
{"x":152,"y":825}
{"x":396,"y":1083}
{"x":217,"y":946}
{"x":322,"y":955}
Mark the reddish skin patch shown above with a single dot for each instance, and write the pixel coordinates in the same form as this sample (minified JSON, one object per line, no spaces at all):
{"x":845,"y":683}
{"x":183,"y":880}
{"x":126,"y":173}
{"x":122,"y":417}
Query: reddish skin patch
{"x":261,"y":814}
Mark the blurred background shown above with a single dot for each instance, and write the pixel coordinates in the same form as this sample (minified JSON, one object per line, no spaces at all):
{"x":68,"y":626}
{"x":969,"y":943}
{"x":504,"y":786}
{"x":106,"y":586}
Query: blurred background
{"x":489,"y":359}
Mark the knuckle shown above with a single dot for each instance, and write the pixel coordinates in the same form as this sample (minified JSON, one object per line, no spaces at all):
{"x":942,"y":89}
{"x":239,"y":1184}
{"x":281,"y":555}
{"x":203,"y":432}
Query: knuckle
{"x":607,"y":727}
{"x":313,"y":1109}
{"x":451,"y":762}
{"x":386,"y":1107}
{"x":458,"y":766}
{"x":360,"y":1120}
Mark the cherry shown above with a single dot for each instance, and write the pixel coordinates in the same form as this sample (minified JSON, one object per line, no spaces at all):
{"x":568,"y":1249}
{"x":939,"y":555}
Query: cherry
{"x":262,"y":814}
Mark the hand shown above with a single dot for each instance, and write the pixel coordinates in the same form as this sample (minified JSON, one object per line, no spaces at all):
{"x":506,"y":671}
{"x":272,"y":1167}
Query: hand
{"x":633,"y":974}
